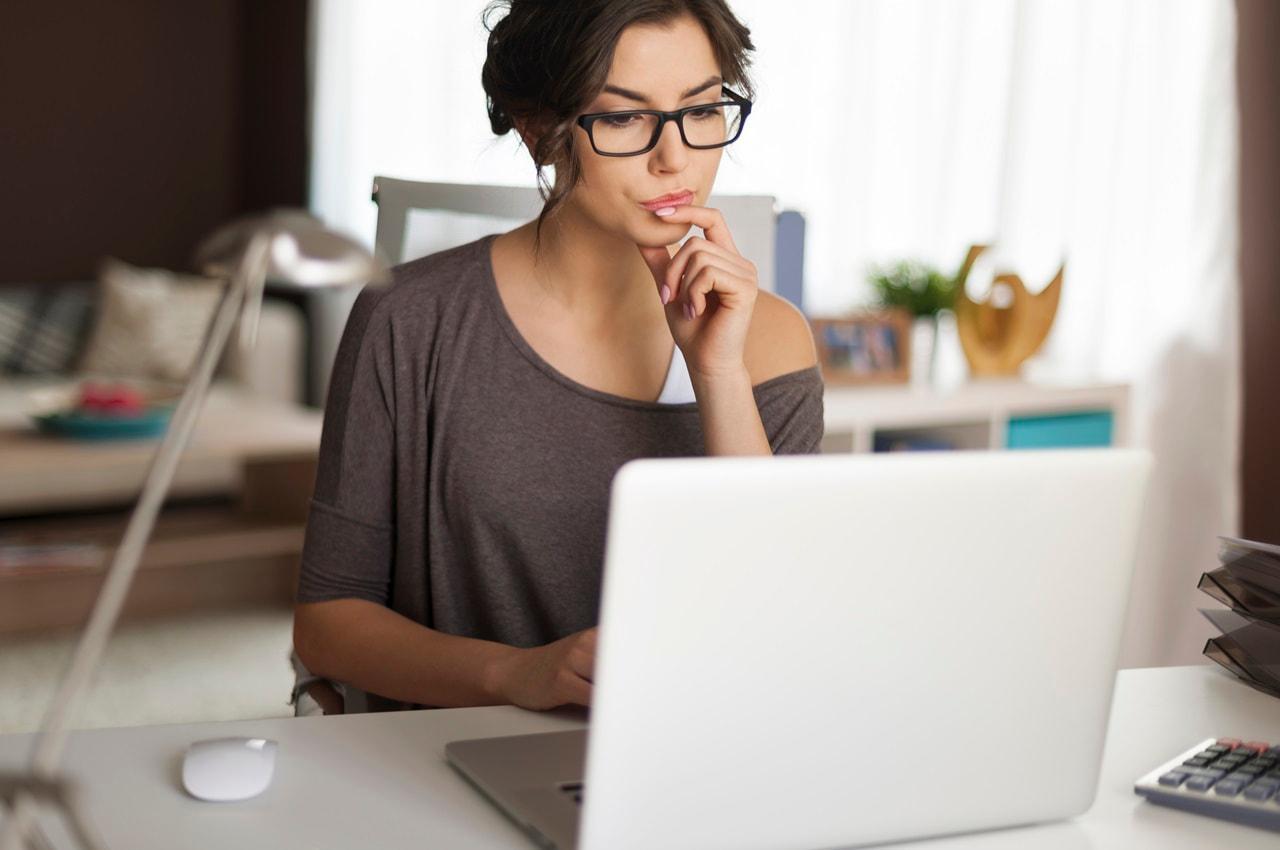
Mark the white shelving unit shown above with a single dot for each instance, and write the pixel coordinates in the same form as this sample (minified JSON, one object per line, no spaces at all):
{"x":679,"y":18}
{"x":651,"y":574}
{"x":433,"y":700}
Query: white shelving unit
{"x":974,"y":415}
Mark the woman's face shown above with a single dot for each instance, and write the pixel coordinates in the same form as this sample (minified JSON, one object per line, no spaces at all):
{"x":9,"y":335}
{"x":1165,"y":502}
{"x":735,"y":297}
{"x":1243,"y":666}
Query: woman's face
{"x":662,"y":65}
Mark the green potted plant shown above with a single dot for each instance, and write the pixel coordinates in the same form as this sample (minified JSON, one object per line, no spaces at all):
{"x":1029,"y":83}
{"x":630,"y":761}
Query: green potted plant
{"x":921,"y":290}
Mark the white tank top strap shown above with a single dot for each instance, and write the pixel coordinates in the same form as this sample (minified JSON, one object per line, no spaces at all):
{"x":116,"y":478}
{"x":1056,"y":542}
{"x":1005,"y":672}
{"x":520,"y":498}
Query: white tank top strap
{"x":678,"y":388}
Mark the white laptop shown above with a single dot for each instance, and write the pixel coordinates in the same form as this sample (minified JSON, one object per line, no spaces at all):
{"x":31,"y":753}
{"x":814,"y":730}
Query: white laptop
{"x":824,"y":651}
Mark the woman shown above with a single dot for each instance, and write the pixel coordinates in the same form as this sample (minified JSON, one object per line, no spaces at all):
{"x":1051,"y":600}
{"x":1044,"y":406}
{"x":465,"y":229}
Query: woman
{"x":480,"y":406}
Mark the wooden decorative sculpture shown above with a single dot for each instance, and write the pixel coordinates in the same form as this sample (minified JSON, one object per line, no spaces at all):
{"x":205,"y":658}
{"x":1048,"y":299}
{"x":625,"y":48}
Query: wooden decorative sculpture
{"x":997,"y":340}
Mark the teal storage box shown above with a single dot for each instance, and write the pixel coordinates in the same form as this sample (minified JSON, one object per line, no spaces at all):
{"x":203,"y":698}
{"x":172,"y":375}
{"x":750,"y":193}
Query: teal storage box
{"x":1068,"y":430}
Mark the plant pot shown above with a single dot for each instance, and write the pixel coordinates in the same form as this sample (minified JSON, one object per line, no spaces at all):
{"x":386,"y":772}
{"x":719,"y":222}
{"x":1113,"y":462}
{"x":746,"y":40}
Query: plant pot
{"x":924,"y":351}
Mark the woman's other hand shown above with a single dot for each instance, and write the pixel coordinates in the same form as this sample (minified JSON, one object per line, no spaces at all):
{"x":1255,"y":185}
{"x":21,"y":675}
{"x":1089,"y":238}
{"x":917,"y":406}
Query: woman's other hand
{"x":546,"y":677}
{"x":709,"y":291}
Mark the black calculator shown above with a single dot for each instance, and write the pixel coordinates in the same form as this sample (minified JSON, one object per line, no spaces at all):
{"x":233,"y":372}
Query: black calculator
{"x":1221,"y":777}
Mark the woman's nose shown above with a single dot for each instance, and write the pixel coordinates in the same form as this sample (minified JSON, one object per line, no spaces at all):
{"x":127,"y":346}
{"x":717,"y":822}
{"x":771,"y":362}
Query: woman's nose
{"x":670,"y":150}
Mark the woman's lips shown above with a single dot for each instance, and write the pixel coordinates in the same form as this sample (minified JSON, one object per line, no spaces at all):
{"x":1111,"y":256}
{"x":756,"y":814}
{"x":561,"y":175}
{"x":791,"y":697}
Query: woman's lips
{"x":678,"y":199}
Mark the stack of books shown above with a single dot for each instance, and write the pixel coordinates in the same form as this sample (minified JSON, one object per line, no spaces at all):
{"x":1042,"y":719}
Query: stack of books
{"x":1248,"y":583}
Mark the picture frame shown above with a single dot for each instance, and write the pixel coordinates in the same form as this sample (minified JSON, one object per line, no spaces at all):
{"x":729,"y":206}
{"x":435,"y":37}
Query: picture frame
{"x":865,"y":348}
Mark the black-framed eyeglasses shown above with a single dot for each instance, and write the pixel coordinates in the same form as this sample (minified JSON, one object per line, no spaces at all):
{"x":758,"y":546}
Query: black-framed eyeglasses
{"x":636,"y":131}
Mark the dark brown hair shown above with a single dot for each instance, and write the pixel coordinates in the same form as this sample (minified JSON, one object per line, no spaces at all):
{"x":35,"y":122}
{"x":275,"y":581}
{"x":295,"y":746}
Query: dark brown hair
{"x":548,"y":59}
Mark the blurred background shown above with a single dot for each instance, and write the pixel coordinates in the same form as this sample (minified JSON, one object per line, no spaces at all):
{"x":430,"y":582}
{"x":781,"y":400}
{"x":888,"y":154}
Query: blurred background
{"x":1131,"y":142}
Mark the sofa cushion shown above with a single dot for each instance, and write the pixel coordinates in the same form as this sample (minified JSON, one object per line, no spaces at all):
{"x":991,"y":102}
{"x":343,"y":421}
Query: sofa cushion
{"x":150,"y":322}
{"x":42,"y":328}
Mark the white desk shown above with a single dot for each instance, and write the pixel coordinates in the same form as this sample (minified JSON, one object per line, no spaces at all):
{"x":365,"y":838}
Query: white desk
{"x":380,"y":780}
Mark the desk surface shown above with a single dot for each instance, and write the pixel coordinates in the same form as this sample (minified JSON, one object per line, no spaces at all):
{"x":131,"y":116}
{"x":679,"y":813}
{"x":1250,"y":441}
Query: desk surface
{"x":380,"y":780}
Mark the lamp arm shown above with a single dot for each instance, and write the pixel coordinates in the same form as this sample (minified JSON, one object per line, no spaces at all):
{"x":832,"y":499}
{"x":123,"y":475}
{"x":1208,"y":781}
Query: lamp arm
{"x":49,"y":745}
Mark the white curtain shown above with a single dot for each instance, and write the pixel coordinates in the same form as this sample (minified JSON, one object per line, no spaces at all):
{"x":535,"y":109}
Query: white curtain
{"x":1099,"y":131}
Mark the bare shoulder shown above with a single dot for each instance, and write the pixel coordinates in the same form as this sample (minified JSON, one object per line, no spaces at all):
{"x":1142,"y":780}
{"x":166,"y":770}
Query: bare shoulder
{"x":779,"y":340}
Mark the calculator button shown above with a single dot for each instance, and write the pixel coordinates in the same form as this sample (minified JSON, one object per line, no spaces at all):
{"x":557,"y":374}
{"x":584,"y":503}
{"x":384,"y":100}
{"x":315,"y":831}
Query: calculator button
{"x":1200,"y":783}
{"x":1260,"y":791}
{"x":1197,"y":761}
{"x":1173,"y":778}
{"x":1228,"y":787}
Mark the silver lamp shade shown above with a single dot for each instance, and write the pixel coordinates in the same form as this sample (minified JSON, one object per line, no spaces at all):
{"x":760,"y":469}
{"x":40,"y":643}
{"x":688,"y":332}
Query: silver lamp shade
{"x":300,"y":251}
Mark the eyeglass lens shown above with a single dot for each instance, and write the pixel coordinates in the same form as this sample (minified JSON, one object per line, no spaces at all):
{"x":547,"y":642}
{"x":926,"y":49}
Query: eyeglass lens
{"x":710,"y":125}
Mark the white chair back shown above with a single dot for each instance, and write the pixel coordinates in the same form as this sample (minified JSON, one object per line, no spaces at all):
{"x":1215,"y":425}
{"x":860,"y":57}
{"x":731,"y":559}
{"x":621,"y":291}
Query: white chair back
{"x":416,"y":219}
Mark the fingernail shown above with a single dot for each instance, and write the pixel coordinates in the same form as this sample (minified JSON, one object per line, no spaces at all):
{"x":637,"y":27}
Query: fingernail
{"x":666,"y":293}
{"x":688,"y":310}
{"x":664,"y":211}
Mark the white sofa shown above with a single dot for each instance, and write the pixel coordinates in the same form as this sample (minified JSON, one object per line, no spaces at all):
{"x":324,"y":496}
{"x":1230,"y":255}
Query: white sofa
{"x":253,"y":406}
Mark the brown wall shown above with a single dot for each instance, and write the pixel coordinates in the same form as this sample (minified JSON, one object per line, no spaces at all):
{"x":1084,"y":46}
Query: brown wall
{"x":133,"y":127}
{"x":1259,"y":86}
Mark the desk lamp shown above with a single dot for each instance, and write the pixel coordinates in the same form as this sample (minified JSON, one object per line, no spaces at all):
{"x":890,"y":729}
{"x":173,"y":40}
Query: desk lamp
{"x":286,"y":245}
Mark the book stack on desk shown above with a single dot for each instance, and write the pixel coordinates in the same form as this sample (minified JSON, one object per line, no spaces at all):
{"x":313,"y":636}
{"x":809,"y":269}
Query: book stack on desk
{"x":1248,"y":582}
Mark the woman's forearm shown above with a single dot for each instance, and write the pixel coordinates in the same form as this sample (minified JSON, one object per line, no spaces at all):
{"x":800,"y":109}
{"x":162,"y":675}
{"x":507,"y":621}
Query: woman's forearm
{"x":375,"y":649}
{"x":730,"y":419}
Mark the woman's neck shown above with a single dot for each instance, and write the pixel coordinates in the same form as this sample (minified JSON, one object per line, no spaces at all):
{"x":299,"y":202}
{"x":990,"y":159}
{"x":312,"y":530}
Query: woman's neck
{"x":596,"y":275}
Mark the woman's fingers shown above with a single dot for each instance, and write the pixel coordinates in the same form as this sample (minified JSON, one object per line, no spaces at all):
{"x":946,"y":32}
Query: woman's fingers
{"x":577,"y":690}
{"x":712,"y":278}
{"x":581,"y":657}
{"x":581,"y":672}
{"x":709,"y":219}
{"x":695,"y":249}
{"x":670,"y":270}
{"x":658,"y":260}
{"x":582,"y":662}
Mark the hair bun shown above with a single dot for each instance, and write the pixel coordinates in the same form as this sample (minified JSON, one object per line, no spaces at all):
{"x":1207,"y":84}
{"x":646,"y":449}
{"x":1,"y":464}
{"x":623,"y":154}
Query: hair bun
{"x":499,"y":121}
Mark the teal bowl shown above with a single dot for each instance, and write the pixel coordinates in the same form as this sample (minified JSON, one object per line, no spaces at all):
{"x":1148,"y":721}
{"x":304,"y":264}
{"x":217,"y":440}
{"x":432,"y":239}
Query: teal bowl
{"x":90,"y":426}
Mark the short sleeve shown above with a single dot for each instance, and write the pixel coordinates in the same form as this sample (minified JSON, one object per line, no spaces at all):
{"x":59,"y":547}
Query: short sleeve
{"x":348,"y":546}
{"x":791,"y":411}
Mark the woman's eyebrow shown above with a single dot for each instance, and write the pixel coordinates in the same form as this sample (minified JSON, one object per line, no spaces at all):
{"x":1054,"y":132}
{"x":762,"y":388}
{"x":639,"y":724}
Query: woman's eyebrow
{"x":631,"y":95}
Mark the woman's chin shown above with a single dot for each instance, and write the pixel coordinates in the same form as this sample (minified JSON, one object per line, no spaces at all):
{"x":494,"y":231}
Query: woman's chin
{"x":656,"y":232}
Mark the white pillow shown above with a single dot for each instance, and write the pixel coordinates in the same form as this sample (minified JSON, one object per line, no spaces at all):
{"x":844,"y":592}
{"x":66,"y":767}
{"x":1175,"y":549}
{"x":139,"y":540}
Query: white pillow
{"x":150,"y":322}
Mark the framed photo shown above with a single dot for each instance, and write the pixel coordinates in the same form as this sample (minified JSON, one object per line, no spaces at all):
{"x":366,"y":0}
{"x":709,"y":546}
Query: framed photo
{"x":867,"y":348}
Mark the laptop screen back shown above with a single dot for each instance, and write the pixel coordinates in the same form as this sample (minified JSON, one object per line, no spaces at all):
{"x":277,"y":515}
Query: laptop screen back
{"x":791,"y":647}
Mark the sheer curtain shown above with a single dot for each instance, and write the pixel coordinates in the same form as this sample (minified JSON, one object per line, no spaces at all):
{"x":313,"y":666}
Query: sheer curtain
{"x":1099,"y":131}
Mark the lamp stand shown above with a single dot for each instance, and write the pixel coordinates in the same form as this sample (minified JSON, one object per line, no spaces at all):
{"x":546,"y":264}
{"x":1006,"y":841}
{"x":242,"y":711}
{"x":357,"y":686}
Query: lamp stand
{"x":22,"y":794}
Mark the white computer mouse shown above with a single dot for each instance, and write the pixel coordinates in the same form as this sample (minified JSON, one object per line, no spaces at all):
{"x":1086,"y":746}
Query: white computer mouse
{"x":225,"y":769}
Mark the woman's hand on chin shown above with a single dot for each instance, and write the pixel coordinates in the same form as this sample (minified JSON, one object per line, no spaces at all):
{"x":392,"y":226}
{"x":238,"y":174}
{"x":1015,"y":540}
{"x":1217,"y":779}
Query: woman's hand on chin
{"x":709,"y":290}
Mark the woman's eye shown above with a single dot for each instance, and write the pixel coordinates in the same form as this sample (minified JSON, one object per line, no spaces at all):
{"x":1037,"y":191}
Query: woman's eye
{"x":619,"y":121}
{"x":708,"y":112}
